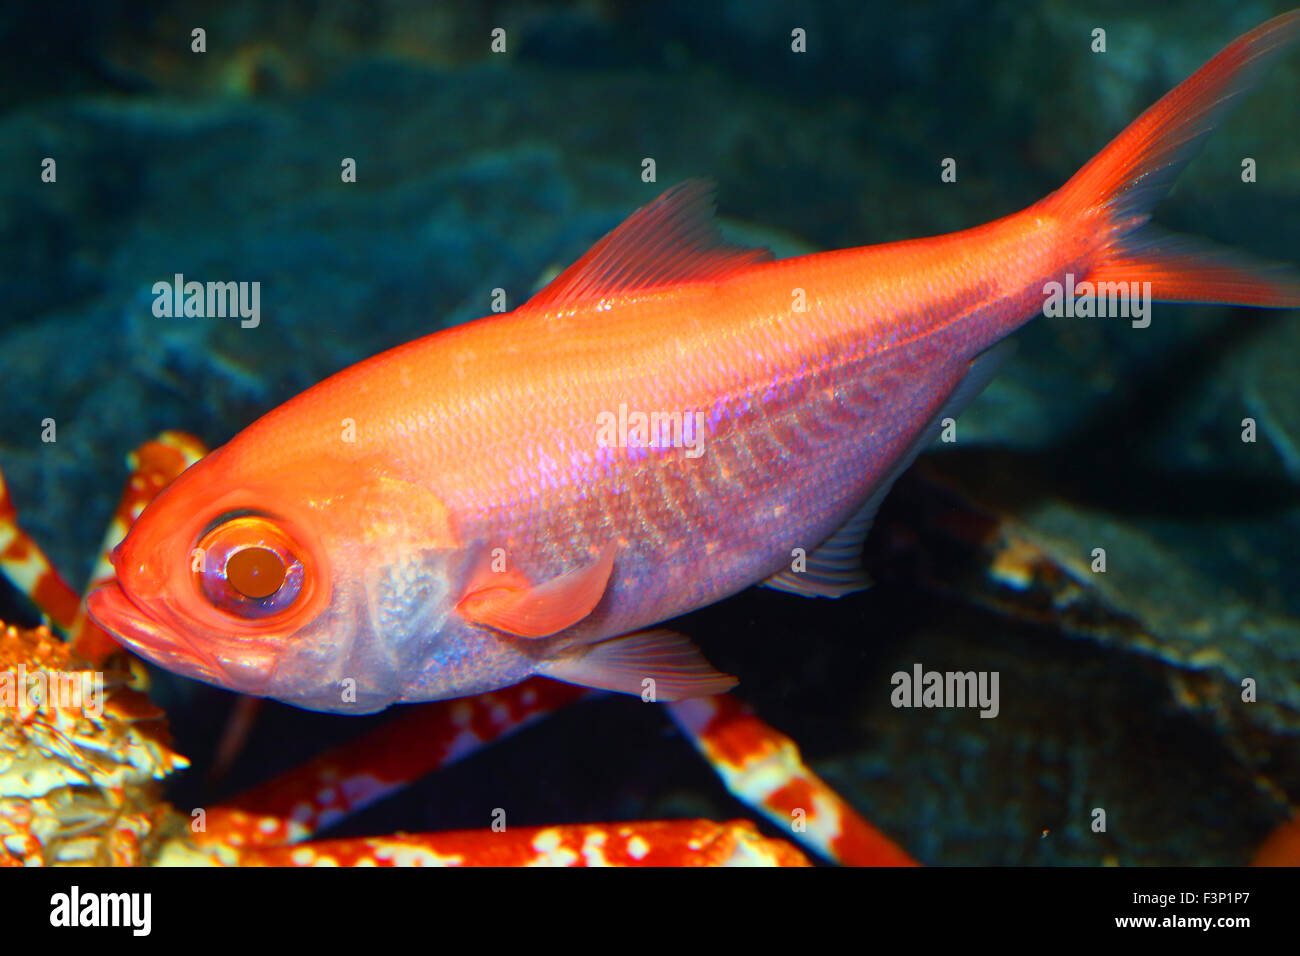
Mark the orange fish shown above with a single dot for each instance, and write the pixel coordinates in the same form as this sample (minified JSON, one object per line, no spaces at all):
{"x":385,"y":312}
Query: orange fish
{"x":671,"y":420}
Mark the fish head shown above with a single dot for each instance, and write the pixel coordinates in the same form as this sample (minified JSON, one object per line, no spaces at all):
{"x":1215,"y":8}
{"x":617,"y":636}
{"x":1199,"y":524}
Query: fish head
{"x":258,"y":581}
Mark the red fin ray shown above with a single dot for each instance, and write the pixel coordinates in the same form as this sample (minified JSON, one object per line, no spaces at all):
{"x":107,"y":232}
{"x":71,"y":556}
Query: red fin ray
{"x":1186,"y":269}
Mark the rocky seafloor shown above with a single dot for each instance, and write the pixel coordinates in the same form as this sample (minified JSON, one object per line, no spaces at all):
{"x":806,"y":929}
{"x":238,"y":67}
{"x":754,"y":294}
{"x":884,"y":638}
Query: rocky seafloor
{"x":478,"y":171}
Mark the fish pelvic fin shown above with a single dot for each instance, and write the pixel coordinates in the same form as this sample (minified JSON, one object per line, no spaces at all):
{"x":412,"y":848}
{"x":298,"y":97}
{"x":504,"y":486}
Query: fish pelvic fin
{"x":657,"y":664}
{"x":1119,"y":186}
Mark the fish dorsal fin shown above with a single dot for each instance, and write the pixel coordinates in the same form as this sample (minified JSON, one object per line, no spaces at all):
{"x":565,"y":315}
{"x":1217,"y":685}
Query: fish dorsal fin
{"x":675,"y":238}
{"x":834,"y":569}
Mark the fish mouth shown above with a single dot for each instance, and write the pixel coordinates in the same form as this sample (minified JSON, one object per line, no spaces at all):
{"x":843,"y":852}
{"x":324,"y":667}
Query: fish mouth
{"x":112,"y":609}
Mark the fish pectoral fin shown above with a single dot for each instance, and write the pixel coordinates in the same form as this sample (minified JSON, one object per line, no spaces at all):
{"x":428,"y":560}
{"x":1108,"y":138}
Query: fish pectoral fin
{"x":675,"y":665}
{"x":834,"y":568}
{"x":540,"y":610}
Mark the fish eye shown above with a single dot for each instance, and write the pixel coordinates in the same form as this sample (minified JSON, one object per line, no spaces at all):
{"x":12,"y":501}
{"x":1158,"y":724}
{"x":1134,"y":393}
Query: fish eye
{"x":246,"y":565}
{"x":255,"y":572}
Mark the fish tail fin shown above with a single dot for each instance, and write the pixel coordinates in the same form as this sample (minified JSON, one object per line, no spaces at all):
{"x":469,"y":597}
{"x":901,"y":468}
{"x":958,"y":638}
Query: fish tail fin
{"x":1119,"y":186}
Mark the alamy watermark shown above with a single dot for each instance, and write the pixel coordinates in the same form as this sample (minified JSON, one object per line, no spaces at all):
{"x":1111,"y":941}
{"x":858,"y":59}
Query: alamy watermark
{"x":629,"y":428}
{"x":214,"y":300}
{"x":922,"y":688}
{"x":1125,"y":300}
{"x":25,"y":690}
{"x":133,"y":911}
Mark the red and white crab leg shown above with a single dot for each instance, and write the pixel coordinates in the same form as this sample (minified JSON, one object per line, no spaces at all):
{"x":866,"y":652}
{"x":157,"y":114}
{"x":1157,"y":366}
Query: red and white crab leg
{"x":762,"y":768}
{"x":418,"y":740}
{"x":661,"y":843}
{"x":24,"y":563}
{"x":1282,"y":847}
{"x":153,"y":466}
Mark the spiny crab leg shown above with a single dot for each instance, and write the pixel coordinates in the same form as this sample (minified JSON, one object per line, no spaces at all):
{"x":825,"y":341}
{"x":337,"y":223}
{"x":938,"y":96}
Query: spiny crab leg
{"x":663,"y":843}
{"x":153,"y":466}
{"x":24,"y":563}
{"x":762,"y":768}
{"x":78,"y":786}
{"x":417,"y":741}
{"x":262,"y":826}
{"x":1281,"y":847}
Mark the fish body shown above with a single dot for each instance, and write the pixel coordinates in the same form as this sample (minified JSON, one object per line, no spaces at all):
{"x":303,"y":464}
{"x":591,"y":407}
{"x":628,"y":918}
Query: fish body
{"x":670,"y":421}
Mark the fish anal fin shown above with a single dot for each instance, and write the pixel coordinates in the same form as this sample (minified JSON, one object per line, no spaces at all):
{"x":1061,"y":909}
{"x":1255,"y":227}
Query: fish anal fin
{"x":675,"y":665}
{"x":675,"y":238}
{"x":533,"y":611}
{"x":834,"y":568}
